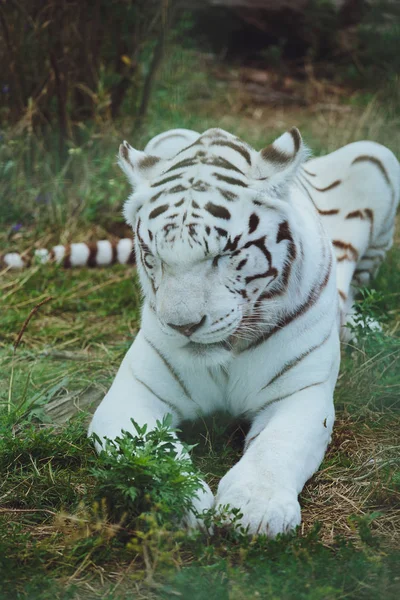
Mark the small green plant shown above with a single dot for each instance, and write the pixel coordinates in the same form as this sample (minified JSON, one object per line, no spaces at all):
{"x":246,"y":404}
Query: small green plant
{"x":368,"y":308}
{"x":145,"y":472}
{"x":367,"y":317}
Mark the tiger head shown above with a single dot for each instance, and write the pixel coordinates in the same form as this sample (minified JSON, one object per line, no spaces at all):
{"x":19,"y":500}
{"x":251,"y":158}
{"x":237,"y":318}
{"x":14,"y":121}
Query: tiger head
{"x":213,"y":235}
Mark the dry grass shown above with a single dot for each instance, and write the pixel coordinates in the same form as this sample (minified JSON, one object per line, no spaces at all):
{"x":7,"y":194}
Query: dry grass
{"x":361,"y":460}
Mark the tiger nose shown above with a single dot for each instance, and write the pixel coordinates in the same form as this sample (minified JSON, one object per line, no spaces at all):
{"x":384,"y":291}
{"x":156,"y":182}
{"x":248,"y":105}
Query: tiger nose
{"x":189,"y":328}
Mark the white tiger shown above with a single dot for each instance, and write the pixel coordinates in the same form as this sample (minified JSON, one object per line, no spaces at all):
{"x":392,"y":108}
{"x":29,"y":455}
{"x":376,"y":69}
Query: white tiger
{"x":247,"y":261}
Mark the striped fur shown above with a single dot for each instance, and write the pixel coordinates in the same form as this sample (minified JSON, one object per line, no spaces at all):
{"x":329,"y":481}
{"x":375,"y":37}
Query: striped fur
{"x":247,"y":261}
{"x":356,"y":192}
{"x":84,"y":254}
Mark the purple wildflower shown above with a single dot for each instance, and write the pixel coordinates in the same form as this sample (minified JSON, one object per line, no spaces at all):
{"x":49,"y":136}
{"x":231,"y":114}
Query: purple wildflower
{"x":43,"y":198}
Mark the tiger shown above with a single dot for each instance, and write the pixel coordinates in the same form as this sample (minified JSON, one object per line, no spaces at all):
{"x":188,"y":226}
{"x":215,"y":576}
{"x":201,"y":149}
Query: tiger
{"x":248,"y":262}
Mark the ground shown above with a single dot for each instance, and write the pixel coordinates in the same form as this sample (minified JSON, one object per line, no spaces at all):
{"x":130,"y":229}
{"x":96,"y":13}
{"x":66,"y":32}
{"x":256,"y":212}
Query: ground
{"x":58,"y":539}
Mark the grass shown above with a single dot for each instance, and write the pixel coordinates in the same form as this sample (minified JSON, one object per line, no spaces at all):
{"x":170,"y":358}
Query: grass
{"x":59,"y":537}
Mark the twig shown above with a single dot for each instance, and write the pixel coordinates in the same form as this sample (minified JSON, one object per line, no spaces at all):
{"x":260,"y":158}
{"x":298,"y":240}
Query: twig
{"x":26,"y":323}
{"x":16,"y":344}
{"x":27,"y":510}
{"x":65,"y":355}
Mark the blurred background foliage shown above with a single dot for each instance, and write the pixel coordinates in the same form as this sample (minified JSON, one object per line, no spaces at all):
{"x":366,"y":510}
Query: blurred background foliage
{"x":65,"y":62}
{"x":76,"y":77}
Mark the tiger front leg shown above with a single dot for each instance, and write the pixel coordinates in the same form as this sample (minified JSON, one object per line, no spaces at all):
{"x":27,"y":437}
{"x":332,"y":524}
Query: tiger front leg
{"x":284,"y":447}
{"x":137,"y":394}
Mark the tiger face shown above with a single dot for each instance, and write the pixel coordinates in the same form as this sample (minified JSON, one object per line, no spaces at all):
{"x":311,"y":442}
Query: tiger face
{"x":213,"y":238}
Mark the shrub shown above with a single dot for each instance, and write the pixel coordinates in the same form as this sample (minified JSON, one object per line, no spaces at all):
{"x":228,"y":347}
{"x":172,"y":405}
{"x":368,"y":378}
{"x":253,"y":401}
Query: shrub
{"x":144,"y":472}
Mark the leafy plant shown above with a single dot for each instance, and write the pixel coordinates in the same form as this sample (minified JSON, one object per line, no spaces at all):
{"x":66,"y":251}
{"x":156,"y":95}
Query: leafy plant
{"x":145,"y":471}
{"x":367,"y":307}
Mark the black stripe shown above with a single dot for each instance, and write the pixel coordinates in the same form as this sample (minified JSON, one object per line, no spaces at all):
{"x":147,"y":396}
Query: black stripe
{"x":218,"y":211}
{"x":306,"y":387}
{"x":241,"y":264}
{"x":346,"y":247}
{"x":332,"y":211}
{"x":254,"y":221}
{"x":221,"y":231}
{"x":156,"y":196}
{"x":312,"y":298}
{"x":172,"y":135}
{"x":284,"y":232}
{"x":114,"y":251}
{"x":198,"y":142}
{"x":331,"y":186}
{"x":158,"y":211}
{"x":377,"y":163}
{"x":218,"y":161}
{"x":355,"y":214}
{"x":230,"y":196}
{"x":293,"y":363}
{"x":91,"y":260}
{"x":171,"y":370}
{"x":306,"y":190}
{"x":272,"y":154}
{"x":166,"y":402}
{"x":271,"y":271}
{"x":296,"y":137}
{"x":237,"y":148}
{"x":187,"y":162}
{"x":230,"y":180}
{"x":67,"y":257}
{"x":176,"y":189}
{"x":148,"y":161}
{"x":200,"y":186}
{"x":166,"y":180}
{"x":231,"y":245}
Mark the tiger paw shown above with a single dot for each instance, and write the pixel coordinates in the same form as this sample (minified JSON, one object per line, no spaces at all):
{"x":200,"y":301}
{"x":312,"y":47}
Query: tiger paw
{"x":263,"y":510}
{"x":203,"y":501}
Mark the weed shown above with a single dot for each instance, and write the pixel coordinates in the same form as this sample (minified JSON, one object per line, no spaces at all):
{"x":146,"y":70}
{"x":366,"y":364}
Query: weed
{"x":145,"y":471}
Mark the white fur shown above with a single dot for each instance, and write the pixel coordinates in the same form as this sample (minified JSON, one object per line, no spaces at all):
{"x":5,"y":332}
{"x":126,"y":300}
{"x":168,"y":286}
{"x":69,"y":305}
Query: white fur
{"x":104,"y":253}
{"x":168,"y":144}
{"x":79,"y":254}
{"x":59,"y":253}
{"x":288,"y":401}
{"x":366,"y":188}
{"x":124,"y":248}
{"x":13,"y":260}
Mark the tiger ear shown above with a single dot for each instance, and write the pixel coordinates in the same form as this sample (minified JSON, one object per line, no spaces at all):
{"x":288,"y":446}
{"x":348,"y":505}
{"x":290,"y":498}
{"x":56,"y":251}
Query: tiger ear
{"x":277,"y":163}
{"x":138,"y":166}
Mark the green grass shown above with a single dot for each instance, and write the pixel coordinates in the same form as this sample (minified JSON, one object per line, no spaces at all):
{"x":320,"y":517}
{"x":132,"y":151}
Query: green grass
{"x":59,"y":535}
